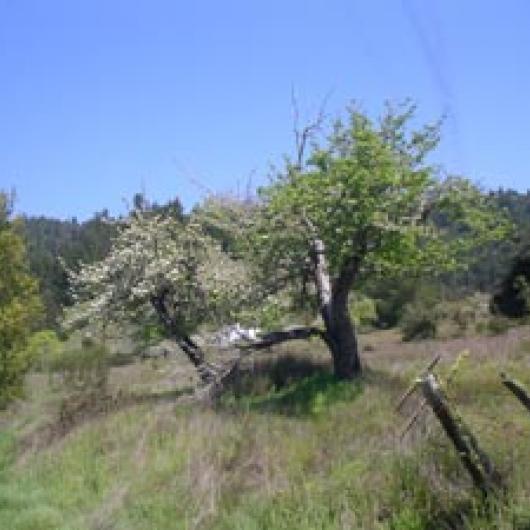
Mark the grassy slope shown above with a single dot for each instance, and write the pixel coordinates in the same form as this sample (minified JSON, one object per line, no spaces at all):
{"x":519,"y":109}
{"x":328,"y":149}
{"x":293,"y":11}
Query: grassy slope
{"x":313,"y":454}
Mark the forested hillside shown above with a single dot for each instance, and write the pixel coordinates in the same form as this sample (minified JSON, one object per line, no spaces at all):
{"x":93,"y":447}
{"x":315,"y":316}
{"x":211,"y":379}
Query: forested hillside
{"x":51,"y":242}
{"x":494,"y":260}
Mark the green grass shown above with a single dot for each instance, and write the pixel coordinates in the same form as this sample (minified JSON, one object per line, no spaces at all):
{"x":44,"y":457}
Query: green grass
{"x":311,"y":396}
{"x":288,"y":447}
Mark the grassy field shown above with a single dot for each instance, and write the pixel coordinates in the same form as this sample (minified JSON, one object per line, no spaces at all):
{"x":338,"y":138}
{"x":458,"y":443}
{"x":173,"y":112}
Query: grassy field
{"x":287,"y":447}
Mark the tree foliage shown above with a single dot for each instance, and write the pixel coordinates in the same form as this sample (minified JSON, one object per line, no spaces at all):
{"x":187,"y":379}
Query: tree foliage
{"x":51,"y":240}
{"x":20,"y":306}
{"x":157,"y":255}
{"x":363,"y":203}
{"x":373,"y":197}
{"x":160,"y":270}
{"x":366,"y":202}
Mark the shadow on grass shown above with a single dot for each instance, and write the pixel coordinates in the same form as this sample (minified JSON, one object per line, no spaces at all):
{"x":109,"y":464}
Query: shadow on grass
{"x":394,"y":382}
{"x":290,"y":386}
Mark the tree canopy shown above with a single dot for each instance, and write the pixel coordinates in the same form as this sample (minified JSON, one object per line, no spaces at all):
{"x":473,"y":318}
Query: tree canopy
{"x":20,"y":305}
{"x":373,"y":198}
{"x":160,"y":270}
{"x":364,"y":202}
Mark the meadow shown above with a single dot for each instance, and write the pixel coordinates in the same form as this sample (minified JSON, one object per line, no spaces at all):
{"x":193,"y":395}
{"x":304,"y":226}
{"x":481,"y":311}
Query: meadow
{"x":285,"y":447}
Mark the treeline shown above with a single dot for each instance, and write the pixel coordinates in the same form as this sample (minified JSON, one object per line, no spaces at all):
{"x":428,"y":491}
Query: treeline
{"x":52,"y":243}
{"x":493,"y":262}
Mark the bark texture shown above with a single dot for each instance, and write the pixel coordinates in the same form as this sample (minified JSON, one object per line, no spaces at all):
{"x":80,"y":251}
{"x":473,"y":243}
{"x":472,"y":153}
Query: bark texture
{"x":333,"y":302}
{"x":196,"y":356}
{"x":342,"y":341}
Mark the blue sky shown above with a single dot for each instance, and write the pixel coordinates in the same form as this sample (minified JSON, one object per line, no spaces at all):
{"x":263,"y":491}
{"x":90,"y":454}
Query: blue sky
{"x":102,"y":99}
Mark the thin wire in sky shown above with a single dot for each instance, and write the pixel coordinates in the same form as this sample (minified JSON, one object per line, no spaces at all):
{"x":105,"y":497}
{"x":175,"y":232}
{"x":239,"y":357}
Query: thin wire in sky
{"x":437,"y":68}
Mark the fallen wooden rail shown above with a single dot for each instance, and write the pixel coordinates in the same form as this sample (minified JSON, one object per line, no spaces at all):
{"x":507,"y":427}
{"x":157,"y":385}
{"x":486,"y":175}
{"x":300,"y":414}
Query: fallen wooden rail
{"x":517,"y":389}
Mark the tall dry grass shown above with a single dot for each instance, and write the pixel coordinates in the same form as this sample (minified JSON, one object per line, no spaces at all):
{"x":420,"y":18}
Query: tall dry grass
{"x":287,"y":447}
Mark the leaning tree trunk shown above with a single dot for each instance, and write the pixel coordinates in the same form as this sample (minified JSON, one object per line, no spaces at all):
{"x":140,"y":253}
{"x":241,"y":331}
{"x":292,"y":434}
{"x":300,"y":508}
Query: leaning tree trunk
{"x":194,"y":353}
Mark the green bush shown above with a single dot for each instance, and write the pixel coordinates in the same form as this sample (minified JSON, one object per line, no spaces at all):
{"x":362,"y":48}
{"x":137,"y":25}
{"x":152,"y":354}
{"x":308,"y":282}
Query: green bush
{"x":44,"y":348}
{"x":269,"y":315}
{"x":82,"y":368}
{"x":466,"y":314}
{"x":418,"y":323}
{"x":430,"y":316}
{"x":422,"y":316}
{"x":363,"y":311}
{"x":498,"y":325}
{"x":391,"y":295}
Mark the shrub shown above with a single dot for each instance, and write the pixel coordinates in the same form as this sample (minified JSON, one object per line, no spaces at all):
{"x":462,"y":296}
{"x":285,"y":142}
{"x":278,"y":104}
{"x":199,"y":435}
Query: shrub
{"x":421,"y":317}
{"x":513,"y":297}
{"x":429,"y":317}
{"x":497,"y":325}
{"x":44,"y":348}
{"x":418,"y":323}
{"x":466,"y":314}
{"x":391,"y":295}
{"x":363,"y":311}
{"x":274,"y":312}
{"x":83,"y":368}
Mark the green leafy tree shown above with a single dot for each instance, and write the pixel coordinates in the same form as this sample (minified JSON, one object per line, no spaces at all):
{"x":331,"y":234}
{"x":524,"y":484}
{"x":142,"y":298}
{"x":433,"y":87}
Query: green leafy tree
{"x":20,"y":306}
{"x":365,"y":203}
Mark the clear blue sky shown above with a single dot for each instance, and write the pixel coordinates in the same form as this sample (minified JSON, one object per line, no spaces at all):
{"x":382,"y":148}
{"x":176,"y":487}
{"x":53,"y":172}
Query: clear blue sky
{"x":99,"y":99}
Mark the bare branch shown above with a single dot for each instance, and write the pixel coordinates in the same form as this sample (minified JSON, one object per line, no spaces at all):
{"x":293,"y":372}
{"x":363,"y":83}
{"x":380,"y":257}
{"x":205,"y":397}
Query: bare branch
{"x":304,"y":134}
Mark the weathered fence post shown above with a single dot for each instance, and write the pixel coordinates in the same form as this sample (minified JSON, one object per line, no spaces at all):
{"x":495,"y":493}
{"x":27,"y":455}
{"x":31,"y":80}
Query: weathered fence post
{"x":477,"y":463}
{"x":517,"y":389}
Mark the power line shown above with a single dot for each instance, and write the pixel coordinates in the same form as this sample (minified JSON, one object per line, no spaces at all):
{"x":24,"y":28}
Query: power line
{"x":437,"y":69}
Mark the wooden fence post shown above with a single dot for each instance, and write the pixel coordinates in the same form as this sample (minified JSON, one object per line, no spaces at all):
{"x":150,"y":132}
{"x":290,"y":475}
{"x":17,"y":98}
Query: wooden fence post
{"x":477,"y":463}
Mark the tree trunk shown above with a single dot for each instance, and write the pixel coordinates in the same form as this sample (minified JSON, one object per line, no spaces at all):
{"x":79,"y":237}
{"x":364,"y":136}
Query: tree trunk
{"x":333,"y":301}
{"x":186,"y":344}
{"x":342,"y":341}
